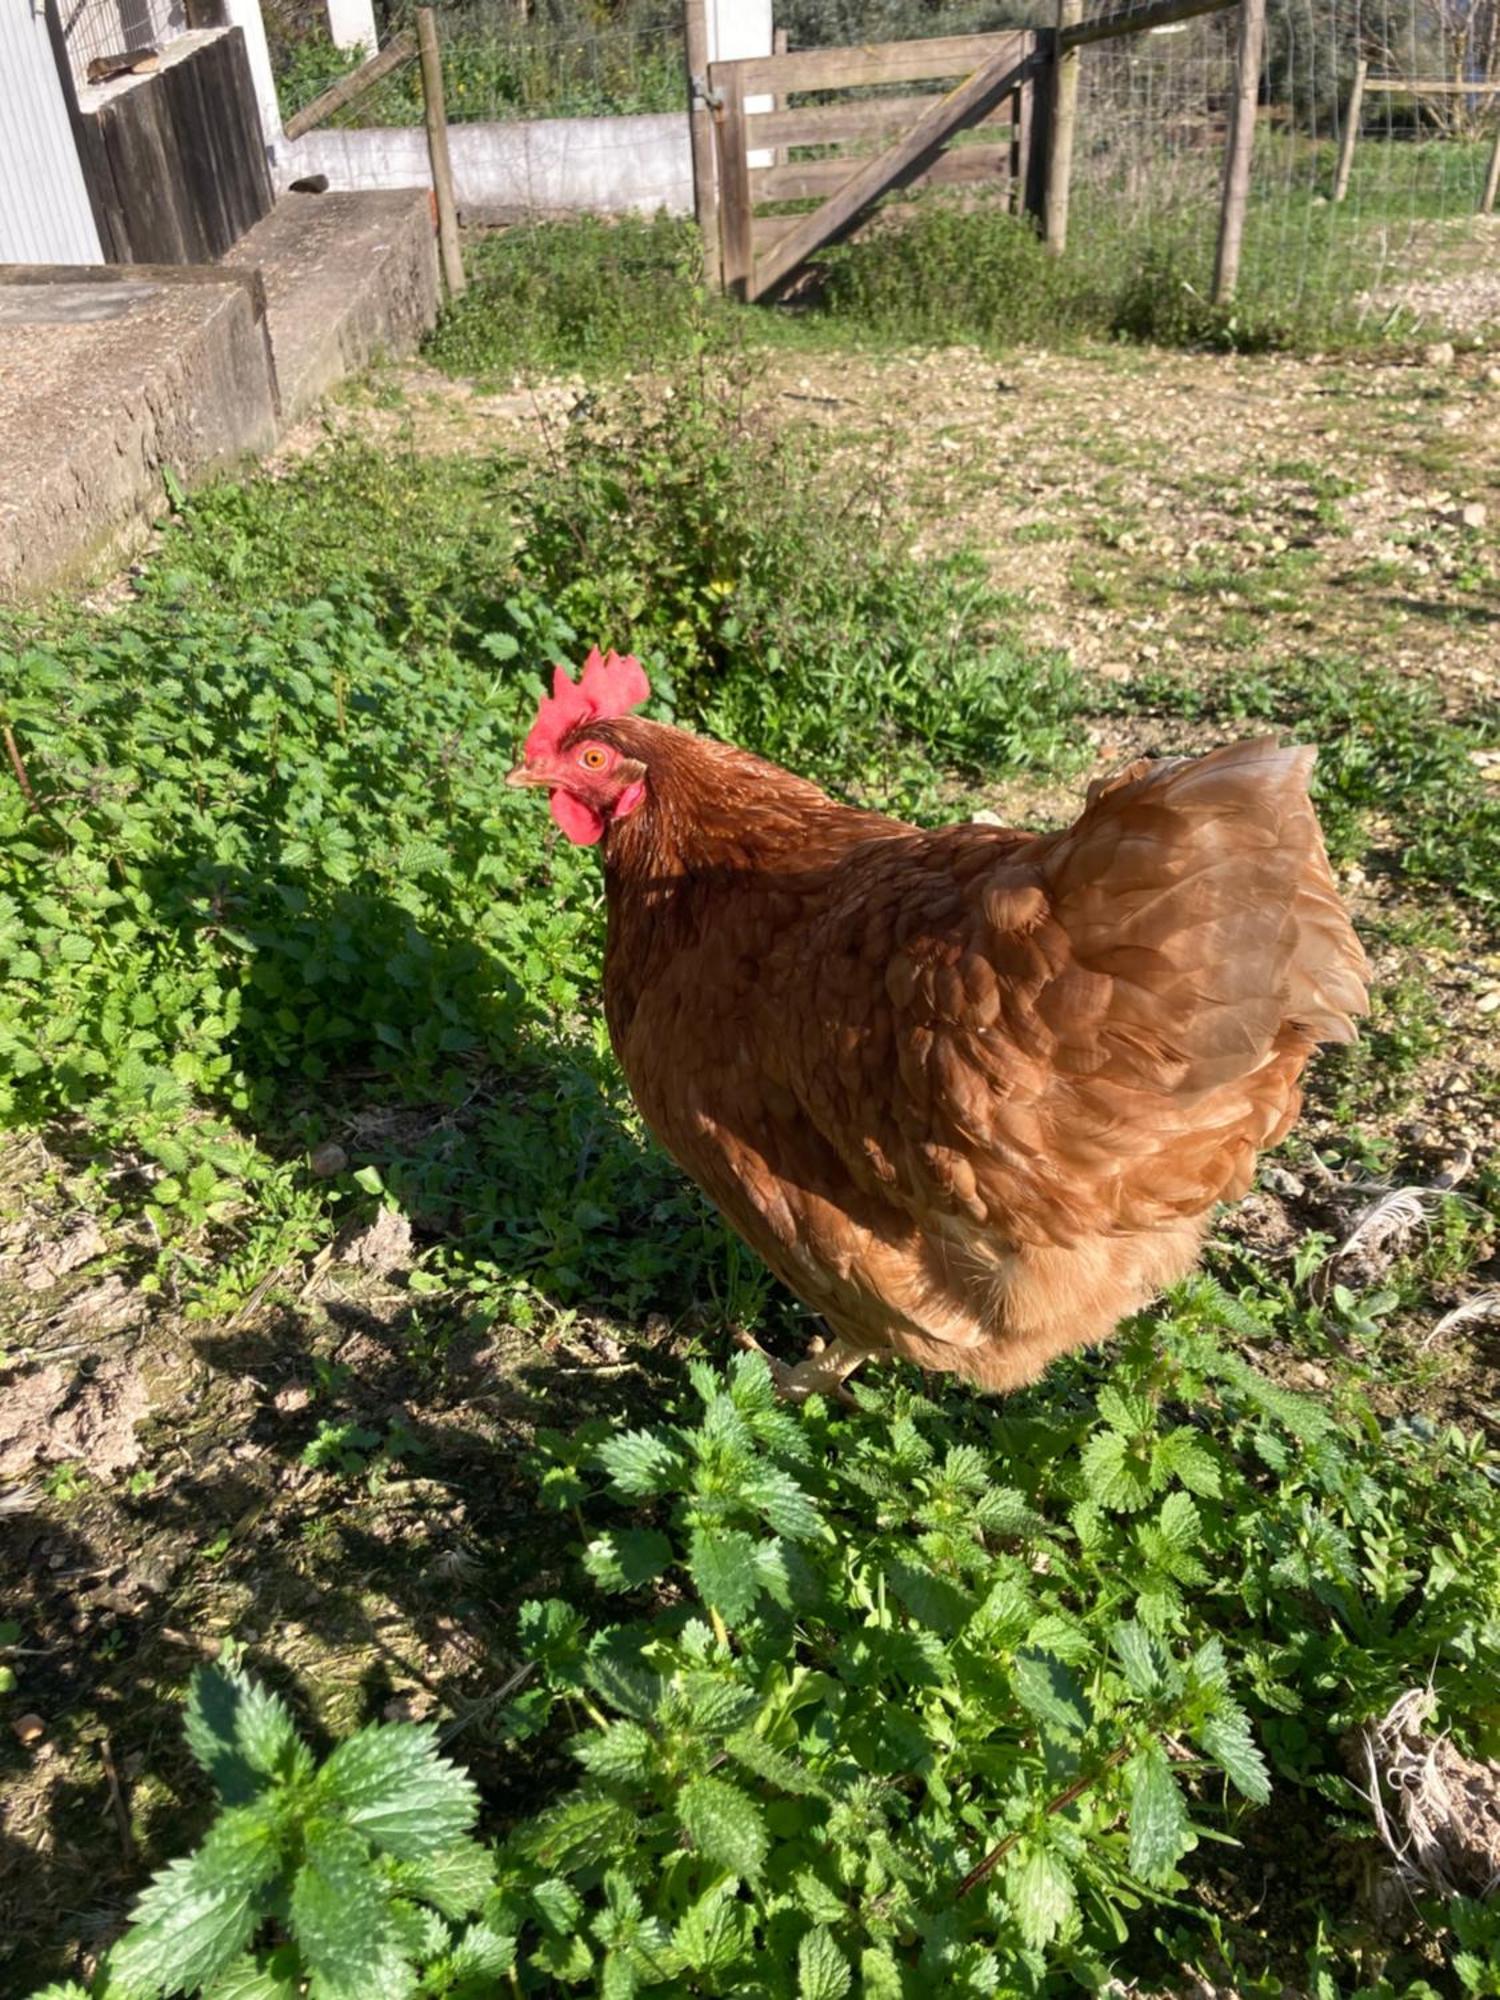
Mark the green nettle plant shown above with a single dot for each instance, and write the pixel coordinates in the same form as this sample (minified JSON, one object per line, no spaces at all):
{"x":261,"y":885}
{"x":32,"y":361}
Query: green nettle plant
{"x":338,"y":1882}
{"x":919,"y":1698}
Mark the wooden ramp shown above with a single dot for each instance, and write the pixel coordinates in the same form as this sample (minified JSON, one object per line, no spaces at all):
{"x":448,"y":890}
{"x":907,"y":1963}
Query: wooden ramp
{"x":849,"y":152}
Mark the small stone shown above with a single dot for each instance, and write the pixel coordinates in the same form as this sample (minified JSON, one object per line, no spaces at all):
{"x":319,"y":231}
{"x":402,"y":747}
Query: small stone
{"x":327,"y":1160}
{"x":1489,"y":1003}
{"x":1438,"y":354}
{"x":28,"y":1729}
{"x":1474,"y":515}
{"x":1491,"y":378}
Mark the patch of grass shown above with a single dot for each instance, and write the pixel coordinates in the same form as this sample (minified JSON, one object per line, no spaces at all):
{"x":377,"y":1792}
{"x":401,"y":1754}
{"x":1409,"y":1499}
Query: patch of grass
{"x":595,"y":296}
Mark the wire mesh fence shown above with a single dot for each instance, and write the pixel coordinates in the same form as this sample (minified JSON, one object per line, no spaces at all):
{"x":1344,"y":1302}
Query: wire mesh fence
{"x":94,"y":29}
{"x":1404,"y":245}
{"x":502,"y":62}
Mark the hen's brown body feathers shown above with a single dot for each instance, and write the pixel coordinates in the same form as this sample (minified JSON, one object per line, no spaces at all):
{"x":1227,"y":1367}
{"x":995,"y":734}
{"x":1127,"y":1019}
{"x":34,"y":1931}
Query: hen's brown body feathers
{"x":972,"y":1094}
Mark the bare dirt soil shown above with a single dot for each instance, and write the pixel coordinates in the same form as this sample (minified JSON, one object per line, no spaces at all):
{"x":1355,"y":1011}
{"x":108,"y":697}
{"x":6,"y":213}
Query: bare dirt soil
{"x":1184,"y":515}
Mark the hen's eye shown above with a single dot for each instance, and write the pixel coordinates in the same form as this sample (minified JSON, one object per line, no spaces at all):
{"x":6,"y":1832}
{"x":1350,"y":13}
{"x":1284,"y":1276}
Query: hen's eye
{"x":593,"y":759}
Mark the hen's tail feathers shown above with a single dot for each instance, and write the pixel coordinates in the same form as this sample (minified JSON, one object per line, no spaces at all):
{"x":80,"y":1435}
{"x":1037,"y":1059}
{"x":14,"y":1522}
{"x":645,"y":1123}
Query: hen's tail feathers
{"x":1201,"y":886}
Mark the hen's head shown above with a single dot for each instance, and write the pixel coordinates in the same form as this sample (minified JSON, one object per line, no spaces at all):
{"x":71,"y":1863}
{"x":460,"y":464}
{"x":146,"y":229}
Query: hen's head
{"x":592,"y":781}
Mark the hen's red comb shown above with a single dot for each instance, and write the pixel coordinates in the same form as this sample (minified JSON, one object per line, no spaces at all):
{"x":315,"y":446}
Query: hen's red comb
{"x":609,"y":685}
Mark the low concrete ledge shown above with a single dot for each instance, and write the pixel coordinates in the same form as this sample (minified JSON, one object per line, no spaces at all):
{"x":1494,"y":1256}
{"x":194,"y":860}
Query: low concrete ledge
{"x":348,"y":278}
{"x":108,"y":377}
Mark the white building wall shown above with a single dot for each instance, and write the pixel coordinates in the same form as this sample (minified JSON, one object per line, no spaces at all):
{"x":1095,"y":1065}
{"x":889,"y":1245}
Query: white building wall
{"x":45,"y":216}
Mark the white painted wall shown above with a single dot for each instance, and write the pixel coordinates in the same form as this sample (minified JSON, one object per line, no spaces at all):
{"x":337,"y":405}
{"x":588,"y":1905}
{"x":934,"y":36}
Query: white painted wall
{"x":737,"y":29}
{"x":45,"y":216}
{"x":351,"y":25}
{"x":246,"y":14}
{"x":531,"y":166}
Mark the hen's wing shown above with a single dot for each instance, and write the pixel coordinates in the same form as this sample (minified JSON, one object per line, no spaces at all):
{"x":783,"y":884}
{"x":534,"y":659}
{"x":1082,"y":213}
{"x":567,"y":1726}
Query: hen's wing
{"x":1091,"y":1031}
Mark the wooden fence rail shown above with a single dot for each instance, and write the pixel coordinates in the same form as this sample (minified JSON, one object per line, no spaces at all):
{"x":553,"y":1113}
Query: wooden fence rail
{"x":1409,"y":86}
{"x":871,"y":148}
{"x":401,"y":48}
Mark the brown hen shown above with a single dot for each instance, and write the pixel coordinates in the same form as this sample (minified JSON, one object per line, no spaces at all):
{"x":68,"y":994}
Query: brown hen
{"x":971,"y":1094}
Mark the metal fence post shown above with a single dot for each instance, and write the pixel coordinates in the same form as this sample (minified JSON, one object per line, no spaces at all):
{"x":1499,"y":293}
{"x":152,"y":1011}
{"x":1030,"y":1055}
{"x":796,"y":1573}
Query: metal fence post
{"x":1237,"y":154}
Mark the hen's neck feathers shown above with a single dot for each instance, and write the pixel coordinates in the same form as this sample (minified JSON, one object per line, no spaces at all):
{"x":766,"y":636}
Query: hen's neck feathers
{"x":712,"y":811}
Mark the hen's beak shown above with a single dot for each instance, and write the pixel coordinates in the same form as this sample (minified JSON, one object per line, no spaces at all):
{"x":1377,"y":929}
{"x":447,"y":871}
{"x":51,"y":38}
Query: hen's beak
{"x":523,"y":775}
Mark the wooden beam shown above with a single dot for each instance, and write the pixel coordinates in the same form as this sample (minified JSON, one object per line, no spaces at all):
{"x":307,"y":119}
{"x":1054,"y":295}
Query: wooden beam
{"x":1438,"y":87}
{"x":931,"y":59}
{"x":856,"y":118}
{"x":701,"y":131}
{"x":1020,"y":143}
{"x":435,"y":116}
{"x":401,"y":48}
{"x":900,"y":163}
{"x":768,"y":230}
{"x":1352,"y":111}
{"x":961,"y":166}
{"x":736,"y":210}
{"x":1065,"y":62}
{"x":1139,"y":20}
{"x":1249,"y":47}
{"x":1491,"y":180}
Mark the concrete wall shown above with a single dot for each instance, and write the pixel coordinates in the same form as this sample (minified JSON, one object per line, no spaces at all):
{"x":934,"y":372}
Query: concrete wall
{"x":109,"y":378}
{"x":45,"y":213}
{"x":503,"y":173}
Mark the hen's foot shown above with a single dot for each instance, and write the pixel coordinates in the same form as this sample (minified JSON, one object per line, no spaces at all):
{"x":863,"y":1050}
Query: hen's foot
{"x":823,"y":1372}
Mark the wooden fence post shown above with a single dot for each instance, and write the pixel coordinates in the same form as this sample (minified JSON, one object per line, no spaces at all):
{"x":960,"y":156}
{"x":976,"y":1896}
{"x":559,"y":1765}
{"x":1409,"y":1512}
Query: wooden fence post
{"x":1237,"y":154}
{"x":1351,"y":129}
{"x":1065,"y":63}
{"x":701,"y":131}
{"x":736,"y":211}
{"x":436,"y":118}
{"x":1491,"y":179}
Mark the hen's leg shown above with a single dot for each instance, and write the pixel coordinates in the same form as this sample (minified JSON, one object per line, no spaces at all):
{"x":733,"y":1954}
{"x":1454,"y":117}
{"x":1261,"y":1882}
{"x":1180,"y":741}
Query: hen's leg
{"x":823,"y":1372}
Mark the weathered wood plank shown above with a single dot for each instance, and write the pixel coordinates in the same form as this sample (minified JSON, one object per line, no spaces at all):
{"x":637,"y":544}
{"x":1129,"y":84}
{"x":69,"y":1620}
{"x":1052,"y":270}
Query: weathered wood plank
{"x":399,"y":49}
{"x":978,"y":94}
{"x":923,"y":61}
{"x":1020,"y":146}
{"x":962,"y":166}
{"x":766,"y":231}
{"x":1136,"y":20}
{"x":701,"y":131}
{"x":191,"y":91}
{"x":836,"y":124}
{"x":736,"y":210}
{"x":1438,"y":87}
{"x":148,"y":167}
{"x":1065,"y":66}
{"x":1352,"y":111}
{"x":1249,"y":48}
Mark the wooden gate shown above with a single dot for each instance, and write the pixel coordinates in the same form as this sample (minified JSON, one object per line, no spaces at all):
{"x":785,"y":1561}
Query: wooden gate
{"x":846,"y":153}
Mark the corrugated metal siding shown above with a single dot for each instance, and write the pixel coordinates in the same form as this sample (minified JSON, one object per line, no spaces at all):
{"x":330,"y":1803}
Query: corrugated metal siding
{"x":45,"y":217}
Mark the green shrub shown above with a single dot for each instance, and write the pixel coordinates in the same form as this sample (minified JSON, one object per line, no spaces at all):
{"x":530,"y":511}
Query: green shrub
{"x":783,"y":608}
